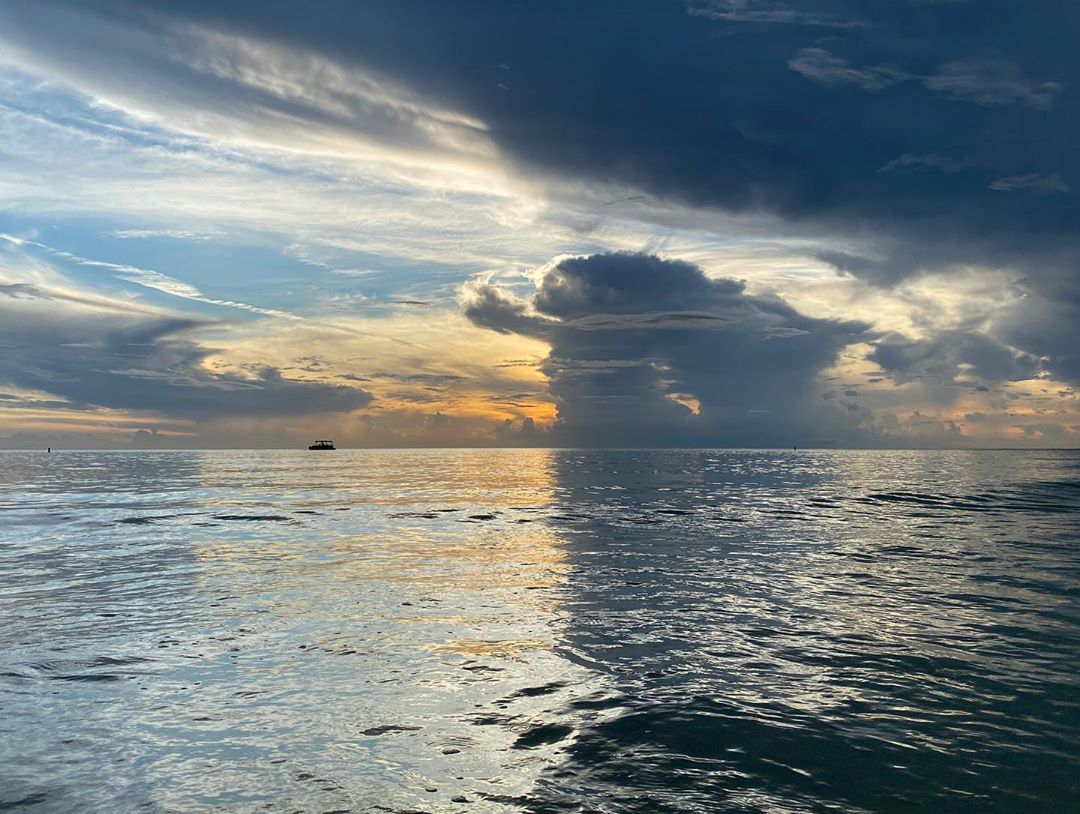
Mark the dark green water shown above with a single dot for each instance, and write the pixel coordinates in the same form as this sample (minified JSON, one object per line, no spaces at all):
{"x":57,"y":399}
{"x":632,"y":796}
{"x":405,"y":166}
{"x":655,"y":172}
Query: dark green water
{"x":540,"y":631}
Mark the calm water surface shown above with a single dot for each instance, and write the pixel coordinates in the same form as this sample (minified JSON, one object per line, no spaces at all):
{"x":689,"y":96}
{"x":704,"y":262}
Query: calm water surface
{"x":539,"y":631}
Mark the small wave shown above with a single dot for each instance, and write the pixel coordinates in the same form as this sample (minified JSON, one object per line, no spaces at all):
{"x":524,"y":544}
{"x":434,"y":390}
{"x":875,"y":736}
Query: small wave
{"x":542,"y":735}
{"x":1037,"y":497}
{"x":703,"y":754}
{"x":144,"y":521}
{"x":23,"y":802}
{"x":254,"y":518}
{"x":533,"y":692}
{"x":388,"y":729}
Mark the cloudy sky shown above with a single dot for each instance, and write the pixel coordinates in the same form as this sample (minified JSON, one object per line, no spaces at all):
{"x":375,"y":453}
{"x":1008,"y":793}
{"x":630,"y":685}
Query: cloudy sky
{"x":674,"y":222}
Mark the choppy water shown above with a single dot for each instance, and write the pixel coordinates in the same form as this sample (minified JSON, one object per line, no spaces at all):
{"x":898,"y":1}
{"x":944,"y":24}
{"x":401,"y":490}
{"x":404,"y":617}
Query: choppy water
{"x":539,"y":631}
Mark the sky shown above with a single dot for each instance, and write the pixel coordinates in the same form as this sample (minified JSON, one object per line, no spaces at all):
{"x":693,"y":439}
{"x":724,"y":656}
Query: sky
{"x":740,"y":223}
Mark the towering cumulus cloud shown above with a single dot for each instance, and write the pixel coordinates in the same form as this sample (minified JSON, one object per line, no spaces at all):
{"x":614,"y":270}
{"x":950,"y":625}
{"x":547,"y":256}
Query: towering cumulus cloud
{"x":647,"y":350}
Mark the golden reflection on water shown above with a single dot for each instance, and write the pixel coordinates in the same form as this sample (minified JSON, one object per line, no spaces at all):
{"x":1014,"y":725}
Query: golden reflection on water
{"x":416,"y":591}
{"x":505,"y":649}
{"x":431,"y":537}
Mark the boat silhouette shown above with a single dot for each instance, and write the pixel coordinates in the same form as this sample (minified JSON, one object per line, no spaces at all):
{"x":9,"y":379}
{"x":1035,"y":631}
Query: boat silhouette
{"x":322,"y":445}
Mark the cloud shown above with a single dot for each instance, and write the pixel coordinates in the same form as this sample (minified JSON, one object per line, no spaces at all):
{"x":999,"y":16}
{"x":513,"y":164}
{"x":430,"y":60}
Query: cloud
{"x":740,"y":369}
{"x":915,"y":161}
{"x":952,"y":354}
{"x":1035,"y":182}
{"x":765,"y":11}
{"x":1046,"y":327}
{"x":147,"y":278}
{"x":30,"y":291}
{"x":176,"y":234}
{"x":141,"y":363}
{"x":490,"y":307}
{"x":822,"y":67}
{"x":991,"y":83}
{"x":674,"y":126}
{"x":524,"y":433}
{"x":890,"y":141}
{"x":221,"y":83}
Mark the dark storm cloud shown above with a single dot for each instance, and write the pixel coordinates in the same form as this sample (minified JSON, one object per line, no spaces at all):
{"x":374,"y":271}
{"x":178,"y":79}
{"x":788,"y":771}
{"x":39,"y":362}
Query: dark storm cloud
{"x":750,"y":362}
{"x":700,"y":100}
{"x":141,"y":363}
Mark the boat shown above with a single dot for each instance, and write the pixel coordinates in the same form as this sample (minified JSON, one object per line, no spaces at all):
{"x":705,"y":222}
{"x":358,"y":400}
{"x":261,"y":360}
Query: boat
{"x":322,"y":445}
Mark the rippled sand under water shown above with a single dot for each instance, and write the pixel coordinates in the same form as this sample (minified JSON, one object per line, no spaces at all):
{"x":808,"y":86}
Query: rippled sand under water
{"x":670,"y":631}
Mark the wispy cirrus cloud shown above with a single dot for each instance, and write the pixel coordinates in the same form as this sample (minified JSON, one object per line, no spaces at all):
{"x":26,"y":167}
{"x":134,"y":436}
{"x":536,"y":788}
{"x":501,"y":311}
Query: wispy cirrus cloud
{"x":769,"y":12}
{"x":147,"y":278}
{"x":175,"y":234}
{"x":986,"y":82}
{"x":991,"y":83}
{"x":920,"y":161}
{"x":825,"y":68}
{"x":237,"y":89}
{"x":1036,"y":183}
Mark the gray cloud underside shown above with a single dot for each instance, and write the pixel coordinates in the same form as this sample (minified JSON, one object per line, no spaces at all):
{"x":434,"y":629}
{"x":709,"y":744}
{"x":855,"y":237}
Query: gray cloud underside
{"x":942,"y":358}
{"x":141,"y":362}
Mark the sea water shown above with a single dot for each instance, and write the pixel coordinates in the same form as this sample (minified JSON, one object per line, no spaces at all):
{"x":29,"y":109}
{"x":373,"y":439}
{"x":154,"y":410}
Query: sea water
{"x":539,"y":630}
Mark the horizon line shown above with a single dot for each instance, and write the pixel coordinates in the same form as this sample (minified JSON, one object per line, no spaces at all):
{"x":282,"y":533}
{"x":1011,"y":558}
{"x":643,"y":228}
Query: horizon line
{"x":50,"y":450}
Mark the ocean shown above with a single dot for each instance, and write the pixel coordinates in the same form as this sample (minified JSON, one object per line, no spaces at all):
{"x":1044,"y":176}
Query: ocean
{"x":540,"y":631}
